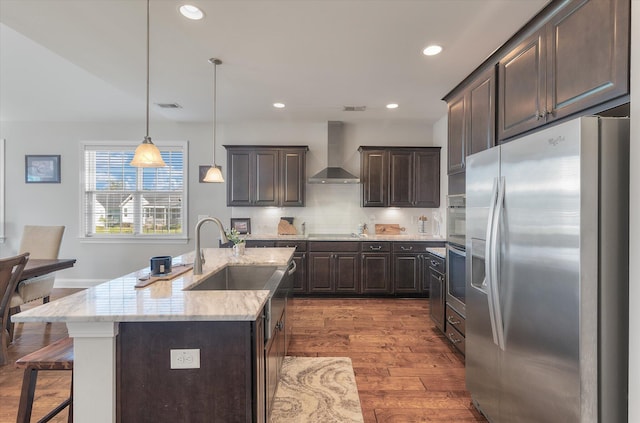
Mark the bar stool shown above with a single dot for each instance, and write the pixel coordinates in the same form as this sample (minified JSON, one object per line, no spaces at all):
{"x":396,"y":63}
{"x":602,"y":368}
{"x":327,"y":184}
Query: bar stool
{"x":56,"y":356}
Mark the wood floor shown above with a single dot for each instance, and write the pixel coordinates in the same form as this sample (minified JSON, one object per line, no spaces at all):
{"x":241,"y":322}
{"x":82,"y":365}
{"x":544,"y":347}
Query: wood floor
{"x":405,"y":369}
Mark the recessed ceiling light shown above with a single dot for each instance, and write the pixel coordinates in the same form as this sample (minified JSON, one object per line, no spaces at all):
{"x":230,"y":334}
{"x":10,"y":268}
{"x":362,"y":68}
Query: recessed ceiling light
{"x":392,"y":106}
{"x":278,"y":105}
{"x":191,"y":12}
{"x":432,"y":50}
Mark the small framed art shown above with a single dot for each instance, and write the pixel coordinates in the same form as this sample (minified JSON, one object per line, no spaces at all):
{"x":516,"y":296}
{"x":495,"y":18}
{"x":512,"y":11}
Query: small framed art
{"x":42,"y":169}
{"x":243,"y":226}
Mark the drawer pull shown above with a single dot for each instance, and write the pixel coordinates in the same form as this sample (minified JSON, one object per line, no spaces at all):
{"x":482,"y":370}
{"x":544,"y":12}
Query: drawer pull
{"x":434,"y":263}
{"x":453,"y":321}
{"x":438,"y":277}
{"x":453,"y":339}
{"x":378,"y":248}
{"x":403,"y":248}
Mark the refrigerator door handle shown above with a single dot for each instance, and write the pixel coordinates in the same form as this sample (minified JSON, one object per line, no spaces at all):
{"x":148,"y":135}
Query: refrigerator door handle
{"x":488,"y":279}
{"x":493,"y":263}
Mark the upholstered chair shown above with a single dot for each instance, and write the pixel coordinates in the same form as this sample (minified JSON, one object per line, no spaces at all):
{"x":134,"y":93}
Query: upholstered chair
{"x":10,"y":272}
{"x":42,"y":242}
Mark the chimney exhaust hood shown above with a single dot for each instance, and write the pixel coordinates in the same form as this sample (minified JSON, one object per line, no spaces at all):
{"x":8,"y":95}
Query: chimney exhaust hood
{"x":333,"y":173}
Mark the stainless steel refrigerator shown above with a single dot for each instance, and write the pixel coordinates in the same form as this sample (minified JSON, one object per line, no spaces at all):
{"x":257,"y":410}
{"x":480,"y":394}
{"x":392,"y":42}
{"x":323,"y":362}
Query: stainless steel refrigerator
{"x":547,"y":275}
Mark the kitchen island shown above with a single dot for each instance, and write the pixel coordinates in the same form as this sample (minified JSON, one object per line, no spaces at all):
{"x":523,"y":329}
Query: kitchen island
{"x":95,"y":317}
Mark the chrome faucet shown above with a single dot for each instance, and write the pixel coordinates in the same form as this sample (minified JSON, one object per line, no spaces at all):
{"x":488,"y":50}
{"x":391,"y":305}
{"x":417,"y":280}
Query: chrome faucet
{"x":199,"y":257}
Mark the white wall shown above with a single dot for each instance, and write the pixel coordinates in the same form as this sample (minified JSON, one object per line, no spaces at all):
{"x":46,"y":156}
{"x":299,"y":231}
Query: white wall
{"x":329,"y":208}
{"x":634,"y":230}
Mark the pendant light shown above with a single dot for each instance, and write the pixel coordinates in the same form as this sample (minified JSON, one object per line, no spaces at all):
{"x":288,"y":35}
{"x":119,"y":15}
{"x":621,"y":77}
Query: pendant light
{"x":214,"y":173}
{"x":147,"y":154}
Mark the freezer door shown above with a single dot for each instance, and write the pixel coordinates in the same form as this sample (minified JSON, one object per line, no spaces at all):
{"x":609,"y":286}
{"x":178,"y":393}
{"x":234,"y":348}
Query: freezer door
{"x":482,"y":354}
{"x":539,"y":236}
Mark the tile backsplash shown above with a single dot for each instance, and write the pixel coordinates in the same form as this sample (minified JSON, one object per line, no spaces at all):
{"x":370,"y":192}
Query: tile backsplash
{"x":335,"y":209}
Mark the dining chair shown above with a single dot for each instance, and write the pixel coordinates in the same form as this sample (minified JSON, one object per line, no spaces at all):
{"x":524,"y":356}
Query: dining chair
{"x":41,"y":242}
{"x":10,"y":271}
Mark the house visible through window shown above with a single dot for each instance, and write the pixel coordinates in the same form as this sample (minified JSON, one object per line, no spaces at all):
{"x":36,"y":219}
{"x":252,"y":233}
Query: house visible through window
{"x":122,"y":201}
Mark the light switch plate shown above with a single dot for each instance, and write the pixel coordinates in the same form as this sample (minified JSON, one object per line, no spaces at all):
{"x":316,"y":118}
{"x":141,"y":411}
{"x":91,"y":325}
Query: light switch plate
{"x":185,"y":359}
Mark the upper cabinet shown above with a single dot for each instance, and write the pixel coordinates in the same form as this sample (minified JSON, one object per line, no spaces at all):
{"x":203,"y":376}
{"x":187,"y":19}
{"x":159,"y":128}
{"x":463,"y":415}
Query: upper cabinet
{"x":471,"y":124}
{"x":577,"y":60}
{"x":400,"y":176}
{"x":265,"y":176}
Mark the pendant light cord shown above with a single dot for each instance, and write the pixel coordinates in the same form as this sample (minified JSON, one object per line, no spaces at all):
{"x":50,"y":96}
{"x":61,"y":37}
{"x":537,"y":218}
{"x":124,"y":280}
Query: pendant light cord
{"x":215,"y":62}
{"x":147,"y":137}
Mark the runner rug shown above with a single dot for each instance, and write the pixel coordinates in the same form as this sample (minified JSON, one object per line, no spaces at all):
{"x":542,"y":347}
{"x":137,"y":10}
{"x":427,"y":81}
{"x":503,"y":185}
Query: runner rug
{"x":317,"y":389}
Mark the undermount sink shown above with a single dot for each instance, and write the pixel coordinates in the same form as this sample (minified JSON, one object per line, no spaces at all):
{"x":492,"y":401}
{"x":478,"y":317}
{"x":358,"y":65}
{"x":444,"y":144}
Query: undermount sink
{"x":240,"y":278}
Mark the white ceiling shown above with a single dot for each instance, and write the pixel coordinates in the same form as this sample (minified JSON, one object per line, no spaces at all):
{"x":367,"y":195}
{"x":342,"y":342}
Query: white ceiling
{"x":84,"y":60}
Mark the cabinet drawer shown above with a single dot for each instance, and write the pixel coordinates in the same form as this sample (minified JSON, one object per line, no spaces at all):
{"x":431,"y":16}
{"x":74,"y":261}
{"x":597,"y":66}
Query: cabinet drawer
{"x":256,"y":243}
{"x":300,"y":246}
{"x":436,"y":263}
{"x":455,"y":320}
{"x":456,"y":339}
{"x":375,"y":247}
{"x":335,"y":246}
{"x":410,"y":247}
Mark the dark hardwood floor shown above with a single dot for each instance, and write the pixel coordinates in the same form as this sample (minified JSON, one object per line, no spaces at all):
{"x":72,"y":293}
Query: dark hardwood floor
{"x":405,"y":369}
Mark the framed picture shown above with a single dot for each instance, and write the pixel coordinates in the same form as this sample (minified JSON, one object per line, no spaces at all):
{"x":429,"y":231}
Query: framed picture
{"x":243,"y":226}
{"x":42,"y":169}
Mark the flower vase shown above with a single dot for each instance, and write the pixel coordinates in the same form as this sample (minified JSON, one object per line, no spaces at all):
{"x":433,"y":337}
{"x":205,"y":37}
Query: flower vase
{"x":238,"y":249}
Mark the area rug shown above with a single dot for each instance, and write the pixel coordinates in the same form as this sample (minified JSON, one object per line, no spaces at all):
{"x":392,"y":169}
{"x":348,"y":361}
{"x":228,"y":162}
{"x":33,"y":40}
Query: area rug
{"x":317,"y":389}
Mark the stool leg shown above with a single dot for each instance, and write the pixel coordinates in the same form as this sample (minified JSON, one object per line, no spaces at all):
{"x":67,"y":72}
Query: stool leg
{"x":70,"y":419}
{"x":27,"y":395}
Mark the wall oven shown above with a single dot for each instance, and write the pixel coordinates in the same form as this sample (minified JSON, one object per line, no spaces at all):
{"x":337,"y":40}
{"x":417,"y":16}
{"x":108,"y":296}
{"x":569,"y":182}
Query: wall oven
{"x":456,"y":278}
{"x":456,"y":219}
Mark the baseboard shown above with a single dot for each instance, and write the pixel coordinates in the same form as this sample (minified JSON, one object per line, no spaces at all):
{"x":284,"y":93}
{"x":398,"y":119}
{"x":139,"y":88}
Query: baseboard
{"x":77,"y":283}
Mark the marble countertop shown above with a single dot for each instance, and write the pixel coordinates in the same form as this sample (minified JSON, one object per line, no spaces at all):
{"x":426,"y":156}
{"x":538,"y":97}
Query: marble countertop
{"x":440,"y":252}
{"x":118,"y":300}
{"x":345,"y":237}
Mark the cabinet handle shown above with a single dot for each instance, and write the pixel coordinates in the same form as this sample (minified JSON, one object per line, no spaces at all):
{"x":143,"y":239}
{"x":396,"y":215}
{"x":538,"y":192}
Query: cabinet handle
{"x":438,"y":277}
{"x":540,"y":115}
{"x":378,"y":248}
{"x":434,"y":263}
{"x":403,"y":248}
{"x":453,"y":321}
{"x":453,"y":339}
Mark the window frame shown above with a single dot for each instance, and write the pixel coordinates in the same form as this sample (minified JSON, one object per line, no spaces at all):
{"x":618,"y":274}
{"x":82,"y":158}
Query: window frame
{"x":182,"y":238}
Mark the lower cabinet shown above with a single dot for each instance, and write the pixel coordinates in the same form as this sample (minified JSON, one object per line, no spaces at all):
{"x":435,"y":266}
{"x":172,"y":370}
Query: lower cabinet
{"x":274,"y":353}
{"x":409,"y":276}
{"x":334,"y":267}
{"x":455,"y":328}
{"x":375,"y":276}
{"x":300,"y":259}
{"x":435,"y":268}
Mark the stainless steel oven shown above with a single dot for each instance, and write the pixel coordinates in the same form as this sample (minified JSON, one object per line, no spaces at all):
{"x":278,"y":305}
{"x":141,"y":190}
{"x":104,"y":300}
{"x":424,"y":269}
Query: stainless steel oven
{"x":456,"y":278}
{"x":456,"y":219}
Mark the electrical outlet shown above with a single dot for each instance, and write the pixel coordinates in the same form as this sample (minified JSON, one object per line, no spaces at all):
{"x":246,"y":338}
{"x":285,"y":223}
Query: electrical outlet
{"x":185,"y":359}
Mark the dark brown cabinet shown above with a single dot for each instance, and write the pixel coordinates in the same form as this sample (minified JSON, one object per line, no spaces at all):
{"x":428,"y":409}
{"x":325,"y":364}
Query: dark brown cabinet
{"x":455,"y":328}
{"x":400,"y":177}
{"x":376,"y":268}
{"x":334,"y":267}
{"x":274,"y":353}
{"x":435,"y":268}
{"x":577,"y":60}
{"x":265,"y":176}
{"x":408,"y":273}
{"x":471,"y":121}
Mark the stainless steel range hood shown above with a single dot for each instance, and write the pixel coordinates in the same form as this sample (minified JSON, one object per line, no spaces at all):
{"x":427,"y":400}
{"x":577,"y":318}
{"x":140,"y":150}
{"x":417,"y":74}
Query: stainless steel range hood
{"x":333,"y":173}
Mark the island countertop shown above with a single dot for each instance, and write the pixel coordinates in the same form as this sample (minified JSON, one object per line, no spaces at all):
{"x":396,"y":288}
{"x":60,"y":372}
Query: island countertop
{"x":118,"y":300}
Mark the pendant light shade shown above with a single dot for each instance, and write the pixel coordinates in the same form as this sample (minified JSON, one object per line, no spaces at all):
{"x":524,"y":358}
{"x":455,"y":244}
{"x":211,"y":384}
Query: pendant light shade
{"x":214,"y":173}
{"x":147,"y":154}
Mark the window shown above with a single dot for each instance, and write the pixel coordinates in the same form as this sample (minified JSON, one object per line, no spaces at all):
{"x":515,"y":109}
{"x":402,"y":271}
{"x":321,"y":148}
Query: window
{"x":120,"y":201}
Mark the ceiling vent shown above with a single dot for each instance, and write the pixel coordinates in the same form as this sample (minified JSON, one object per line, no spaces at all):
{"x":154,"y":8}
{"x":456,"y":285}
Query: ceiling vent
{"x":354,"y":108}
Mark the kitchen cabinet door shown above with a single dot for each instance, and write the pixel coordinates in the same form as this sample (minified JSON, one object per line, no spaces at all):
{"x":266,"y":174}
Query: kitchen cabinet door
{"x":292,"y":177}
{"x":456,"y":137}
{"x":239,"y":177}
{"x":401,"y":178}
{"x":522,"y":75}
{"x":588,"y":55}
{"x":481,"y":111}
{"x":427,"y":178}
{"x":320,"y":272}
{"x":436,"y":290}
{"x":346,"y":272}
{"x":376,"y":273}
{"x":406,"y":273}
{"x":374,"y":178}
{"x":265,"y":178}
